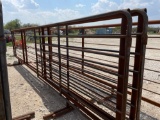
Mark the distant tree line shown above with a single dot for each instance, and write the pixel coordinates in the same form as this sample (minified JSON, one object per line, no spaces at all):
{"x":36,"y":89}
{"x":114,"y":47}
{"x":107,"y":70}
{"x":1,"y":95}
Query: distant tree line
{"x":16,"y":24}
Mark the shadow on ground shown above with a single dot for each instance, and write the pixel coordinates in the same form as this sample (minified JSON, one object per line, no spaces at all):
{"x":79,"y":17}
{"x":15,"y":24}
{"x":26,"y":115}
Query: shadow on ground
{"x":51,"y":99}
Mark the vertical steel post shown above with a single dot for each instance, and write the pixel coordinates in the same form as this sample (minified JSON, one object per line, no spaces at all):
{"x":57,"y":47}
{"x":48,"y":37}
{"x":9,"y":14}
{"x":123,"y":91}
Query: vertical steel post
{"x":67,"y":53}
{"x":59,"y":57}
{"x":5,"y":106}
{"x":123,"y":67}
{"x":41,"y":57}
{"x":141,"y":41}
{"x":25,"y":45}
{"x":35,"y":38}
{"x":22,"y":38}
{"x":83,"y":51}
{"x":44,"y":54}
{"x":50,"y":51}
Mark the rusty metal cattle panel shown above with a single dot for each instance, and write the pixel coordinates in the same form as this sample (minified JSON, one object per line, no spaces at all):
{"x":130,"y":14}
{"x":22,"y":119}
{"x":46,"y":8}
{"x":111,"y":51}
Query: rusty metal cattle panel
{"x":77,"y":64}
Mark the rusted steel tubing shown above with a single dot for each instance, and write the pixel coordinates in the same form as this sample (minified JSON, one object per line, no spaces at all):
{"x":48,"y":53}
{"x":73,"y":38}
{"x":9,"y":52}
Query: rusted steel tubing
{"x":96,"y":52}
{"x":83,"y":92}
{"x":125,"y":44}
{"x":97,"y":26}
{"x":96,"y":43}
{"x":54,"y":62}
{"x":50,"y":50}
{"x":153,"y":48}
{"x":99,"y":87}
{"x":151,"y":81}
{"x":93,"y":107}
{"x":67,"y":53}
{"x":23,"y":45}
{"x":151,"y":91}
{"x":87,"y":112}
{"x":73,"y":59}
{"x":40,"y":52}
{"x":43,"y":50}
{"x":148,"y":100}
{"x":95,"y":18}
{"x":95,"y":36}
{"x":117,"y":63}
{"x":154,"y":22}
{"x":95,"y":99}
{"x":58,"y":113}
{"x":86,"y":48}
{"x":92,"y":96}
{"x":154,"y":37}
{"x":141,"y":42}
{"x":152,"y":70}
{"x":95,"y":79}
{"x":152,"y":59}
{"x":99,"y":63}
{"x":98,"y":68}
{"x":100,"y":53}
{"x":92,"y":73}
{"x":86,"y":36}
{"x":59,"y":59}
{"x":63,"y":46}
{"x":81,"y":99}
{"x":151,"y":101}
{"x":148,"y":80}
{"x":85,"y":63}
{"x":73,"y":78}
{"x":25,"y":116}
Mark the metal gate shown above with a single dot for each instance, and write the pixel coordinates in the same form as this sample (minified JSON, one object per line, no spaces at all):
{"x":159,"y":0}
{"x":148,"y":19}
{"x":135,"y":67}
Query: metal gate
{"x":75,"y":61}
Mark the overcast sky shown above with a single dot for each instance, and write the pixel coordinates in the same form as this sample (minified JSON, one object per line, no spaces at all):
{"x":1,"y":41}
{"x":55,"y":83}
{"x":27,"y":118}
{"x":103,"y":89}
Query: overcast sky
{"x":52,"y":11}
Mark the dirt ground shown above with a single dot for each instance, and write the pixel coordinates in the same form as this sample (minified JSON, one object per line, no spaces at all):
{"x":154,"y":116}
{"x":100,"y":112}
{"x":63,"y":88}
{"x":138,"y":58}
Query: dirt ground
{"x":29,"y":94}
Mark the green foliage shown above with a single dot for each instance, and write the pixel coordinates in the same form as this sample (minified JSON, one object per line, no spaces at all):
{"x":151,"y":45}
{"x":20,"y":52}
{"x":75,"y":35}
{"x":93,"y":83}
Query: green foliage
{"x":72,"y":31}
{"x":13,"y":24}
{"x":9,"y":44}
{"x":29,"y":25}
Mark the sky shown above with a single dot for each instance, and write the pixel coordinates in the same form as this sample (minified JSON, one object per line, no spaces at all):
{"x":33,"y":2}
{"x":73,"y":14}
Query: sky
{"x":52,"y":11}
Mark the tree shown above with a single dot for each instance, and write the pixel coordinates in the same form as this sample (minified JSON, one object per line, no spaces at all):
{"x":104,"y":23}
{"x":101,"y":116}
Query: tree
{"x":13,"y":24}
{"x":29,"y":25}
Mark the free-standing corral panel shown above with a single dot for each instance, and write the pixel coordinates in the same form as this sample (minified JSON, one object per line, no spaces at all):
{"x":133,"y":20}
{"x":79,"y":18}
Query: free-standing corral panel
{"x":77,"y":64}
